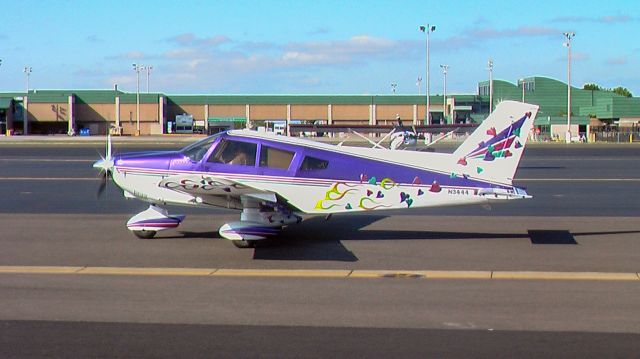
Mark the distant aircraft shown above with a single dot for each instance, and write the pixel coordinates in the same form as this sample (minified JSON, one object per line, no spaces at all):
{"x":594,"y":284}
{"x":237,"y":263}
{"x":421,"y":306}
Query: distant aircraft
{"x":272,"y":178}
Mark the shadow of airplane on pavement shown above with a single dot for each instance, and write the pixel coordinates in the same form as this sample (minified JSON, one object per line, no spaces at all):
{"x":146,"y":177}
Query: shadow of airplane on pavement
{"x":320,"y":240}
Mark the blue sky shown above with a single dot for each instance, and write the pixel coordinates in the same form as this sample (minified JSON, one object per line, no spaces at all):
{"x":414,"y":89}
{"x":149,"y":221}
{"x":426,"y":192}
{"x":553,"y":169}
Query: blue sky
{"x":313,"y":47}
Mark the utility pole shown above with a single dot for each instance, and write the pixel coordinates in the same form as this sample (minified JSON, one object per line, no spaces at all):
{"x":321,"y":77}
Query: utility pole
{"x":445,"y":69}
{"x":490,"y":63}
{"x":427,"y":30}
{"x":149,"y":68}
{"x":569,"y":36}
{"x":137,"y":68}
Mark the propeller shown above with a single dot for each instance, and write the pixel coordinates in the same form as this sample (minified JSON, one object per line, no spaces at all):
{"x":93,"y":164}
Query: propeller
{"x":105,"y":165}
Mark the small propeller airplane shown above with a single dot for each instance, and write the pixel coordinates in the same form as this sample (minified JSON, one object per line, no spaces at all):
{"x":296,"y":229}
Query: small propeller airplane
{"x":273,"y":179}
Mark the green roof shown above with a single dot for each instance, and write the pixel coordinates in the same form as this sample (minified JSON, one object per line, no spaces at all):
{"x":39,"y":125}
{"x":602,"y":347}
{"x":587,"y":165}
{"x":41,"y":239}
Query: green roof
{"x":550,"y":94}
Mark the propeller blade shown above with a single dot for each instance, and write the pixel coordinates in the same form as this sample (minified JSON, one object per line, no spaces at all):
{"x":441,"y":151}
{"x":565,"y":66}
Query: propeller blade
{"x":105,"y":166}
{"x":102,"y":187}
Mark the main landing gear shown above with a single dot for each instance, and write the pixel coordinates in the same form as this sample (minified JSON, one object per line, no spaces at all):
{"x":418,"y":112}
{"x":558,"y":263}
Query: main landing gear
{"x":257,"y":222}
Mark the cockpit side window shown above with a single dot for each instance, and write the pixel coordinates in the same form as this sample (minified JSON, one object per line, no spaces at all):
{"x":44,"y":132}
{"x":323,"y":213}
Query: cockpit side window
{"x":196,"y":151}
{"x":235,"y":153}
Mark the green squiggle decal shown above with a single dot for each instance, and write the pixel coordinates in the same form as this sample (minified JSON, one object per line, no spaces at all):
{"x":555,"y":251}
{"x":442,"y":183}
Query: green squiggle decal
{"x":333,"y":194}
{"x":387,"y":183}
{"x":363,"y":199}
{"x":320,"y":205}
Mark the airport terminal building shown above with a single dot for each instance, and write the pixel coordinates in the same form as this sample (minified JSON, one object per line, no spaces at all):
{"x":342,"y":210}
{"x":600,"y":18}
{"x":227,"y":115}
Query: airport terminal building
{"x":118,"y":112}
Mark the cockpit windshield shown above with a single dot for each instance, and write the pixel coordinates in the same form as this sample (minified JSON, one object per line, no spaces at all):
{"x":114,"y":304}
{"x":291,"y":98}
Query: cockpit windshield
{"x":197,"y":150}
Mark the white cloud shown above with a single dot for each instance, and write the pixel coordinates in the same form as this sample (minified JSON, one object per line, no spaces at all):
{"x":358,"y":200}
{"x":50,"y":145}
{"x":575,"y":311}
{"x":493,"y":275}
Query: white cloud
{"x":131,"y":55}
{"x":606,"y":19}
{"x":579,"y":56}
{"x":121,"y":80}
{"x":475,"y":36}
{"x":190,"y":39}
{"x":621,"y":60}
{"x":94,"y":39}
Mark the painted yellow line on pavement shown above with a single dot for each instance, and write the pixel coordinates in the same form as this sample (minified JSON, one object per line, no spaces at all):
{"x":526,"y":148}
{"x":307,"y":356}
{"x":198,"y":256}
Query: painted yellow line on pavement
{"x":428,"y":274}
{"x":148,"y":271}
{"x":317,"y":273}
{"x":40,"y":269}
{"x":451,"y":274}
{"x":565,"y":275}
{"x":322,"y":273}
{"x":387,"y":274}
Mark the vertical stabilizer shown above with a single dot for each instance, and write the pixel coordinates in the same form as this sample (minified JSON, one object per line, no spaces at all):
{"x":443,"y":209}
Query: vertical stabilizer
{"x":494,"y":149}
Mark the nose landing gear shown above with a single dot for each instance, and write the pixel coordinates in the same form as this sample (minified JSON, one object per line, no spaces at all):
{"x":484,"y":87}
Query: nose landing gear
{"x":147,"y":223}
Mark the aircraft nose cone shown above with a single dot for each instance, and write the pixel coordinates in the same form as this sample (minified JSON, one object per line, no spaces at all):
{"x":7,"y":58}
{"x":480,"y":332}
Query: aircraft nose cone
{"x":99,"y":164}
{"x":103,"y":164}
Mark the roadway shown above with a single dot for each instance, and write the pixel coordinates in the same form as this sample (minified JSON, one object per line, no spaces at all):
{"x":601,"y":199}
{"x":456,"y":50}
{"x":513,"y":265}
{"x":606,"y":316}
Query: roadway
{"x":583,"y":219}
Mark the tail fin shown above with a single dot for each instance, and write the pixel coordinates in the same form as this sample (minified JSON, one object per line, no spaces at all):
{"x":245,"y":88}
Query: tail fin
{"x":494,"y":149}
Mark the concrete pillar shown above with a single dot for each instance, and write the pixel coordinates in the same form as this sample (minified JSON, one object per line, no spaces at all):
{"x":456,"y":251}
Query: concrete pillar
{"x":72,"y":126}
{"x":288,"y":119}
{"x":373,"y":120}
{"x":25,"y":116}
{"x":10,"y":113}
{"x":415,"y":114}
{"x":329,"y":115}
{"x":117,"y":124}
{"x":247,"y":112}
{"x":161,"y":103}
{"x":206,"y":118}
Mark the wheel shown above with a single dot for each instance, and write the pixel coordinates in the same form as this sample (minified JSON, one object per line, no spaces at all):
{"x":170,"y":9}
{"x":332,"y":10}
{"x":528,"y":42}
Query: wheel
{"x":244,"y":244}
{"x":144,"y":234}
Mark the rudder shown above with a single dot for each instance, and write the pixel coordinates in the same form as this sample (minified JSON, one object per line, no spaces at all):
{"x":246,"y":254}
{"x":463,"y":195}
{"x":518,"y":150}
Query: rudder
{"x":492,"y":152}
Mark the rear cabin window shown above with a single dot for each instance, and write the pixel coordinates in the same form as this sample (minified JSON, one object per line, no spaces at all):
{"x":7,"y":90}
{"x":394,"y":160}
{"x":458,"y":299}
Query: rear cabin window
{"x":313,"y":164}
{"x":274,"y":158}
{"x":235,"y":153}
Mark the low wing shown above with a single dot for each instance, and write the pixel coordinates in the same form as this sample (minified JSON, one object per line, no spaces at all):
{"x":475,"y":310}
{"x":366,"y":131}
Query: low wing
{"x":218,"y":191}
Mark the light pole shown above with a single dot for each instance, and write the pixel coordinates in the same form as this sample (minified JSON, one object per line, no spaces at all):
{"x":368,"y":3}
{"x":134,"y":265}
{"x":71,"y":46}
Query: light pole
{"x":137,"y":68}
{"x":418,"y":82}
{"x":569,"y":36}
{"x":445,"y":69}
{"x":28,"y":70}
{"x":149,"y":68}
{"x":427,"y":30}
{"x":490,"y":64}
{"x":25,"y":124}
{"x":393,"y":88}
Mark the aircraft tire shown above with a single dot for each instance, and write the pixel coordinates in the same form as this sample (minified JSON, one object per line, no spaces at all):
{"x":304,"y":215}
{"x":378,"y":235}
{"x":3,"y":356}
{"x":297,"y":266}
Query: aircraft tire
{"x":144,"y":234}
{"x":244,"y":243}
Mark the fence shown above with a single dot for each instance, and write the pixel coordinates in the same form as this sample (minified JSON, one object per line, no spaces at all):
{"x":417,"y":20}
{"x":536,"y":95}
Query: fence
{"x":616,"y":134}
